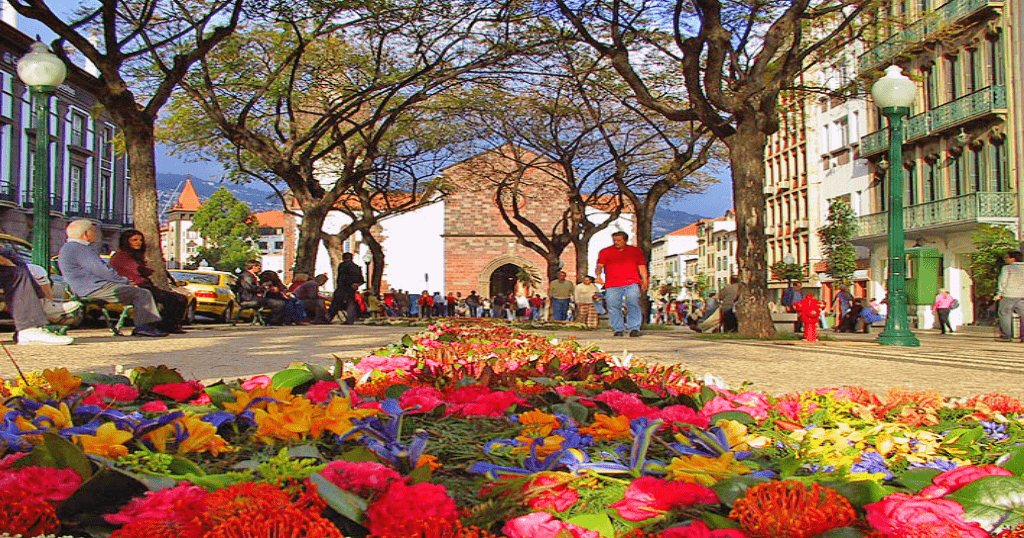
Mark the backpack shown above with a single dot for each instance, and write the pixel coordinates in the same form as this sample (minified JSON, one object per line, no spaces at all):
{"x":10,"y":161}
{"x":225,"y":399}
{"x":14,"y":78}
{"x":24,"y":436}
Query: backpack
{"x":955,"y":305}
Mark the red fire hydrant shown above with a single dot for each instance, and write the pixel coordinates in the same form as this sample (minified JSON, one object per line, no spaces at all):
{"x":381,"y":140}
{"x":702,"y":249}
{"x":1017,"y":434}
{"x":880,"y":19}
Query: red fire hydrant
{"x":810,"y":312}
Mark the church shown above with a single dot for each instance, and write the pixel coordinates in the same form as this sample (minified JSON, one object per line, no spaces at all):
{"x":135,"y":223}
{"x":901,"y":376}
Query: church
{"x":457,"y":243}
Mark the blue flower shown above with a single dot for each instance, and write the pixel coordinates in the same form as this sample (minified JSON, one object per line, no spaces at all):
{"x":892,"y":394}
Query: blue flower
{"x":940,"y":464}
{"x":871,"y":462}
{"x":994,"y":430}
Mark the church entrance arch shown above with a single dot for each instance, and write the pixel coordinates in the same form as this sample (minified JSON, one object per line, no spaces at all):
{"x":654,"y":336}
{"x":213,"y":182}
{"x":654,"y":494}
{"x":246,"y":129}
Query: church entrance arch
{"x":500,"y":275}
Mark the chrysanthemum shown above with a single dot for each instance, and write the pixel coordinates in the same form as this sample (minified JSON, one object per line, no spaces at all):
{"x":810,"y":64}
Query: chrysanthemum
{"x":789,"y":509}
{"x":27,"y":516}
{"x":289,"y":522}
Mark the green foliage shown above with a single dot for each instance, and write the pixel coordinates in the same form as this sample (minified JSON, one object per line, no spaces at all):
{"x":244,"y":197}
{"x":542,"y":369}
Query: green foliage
{"x":992,"y":243}
{"x":788,"y":271}
{"x":228,"y":227}
{"x":835,"y":239}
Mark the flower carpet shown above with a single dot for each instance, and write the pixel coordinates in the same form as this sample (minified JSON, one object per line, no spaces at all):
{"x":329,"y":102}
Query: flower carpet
{"x":482,"y":430}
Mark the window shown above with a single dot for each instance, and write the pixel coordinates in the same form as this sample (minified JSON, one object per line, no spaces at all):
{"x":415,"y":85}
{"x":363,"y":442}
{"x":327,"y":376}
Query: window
{"x":930,"y":88}
{"x":78,"y":127}
{"x":843,"y":130}
{"x":977,"y":170}
{"x":930,"y":183}
{"x":953,"y":88}
{"x":973,"y":72}
{"x":75,"y":188}
{"x":999,"y":166}
{"x":910,"y":192}
{"x":107,"y":146}
{"x":957,"y":174}
{"x":995,"y":59}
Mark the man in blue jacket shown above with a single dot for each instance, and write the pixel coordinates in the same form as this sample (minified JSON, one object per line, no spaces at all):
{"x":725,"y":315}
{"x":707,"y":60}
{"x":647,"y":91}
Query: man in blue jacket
{"x":90,"y":277}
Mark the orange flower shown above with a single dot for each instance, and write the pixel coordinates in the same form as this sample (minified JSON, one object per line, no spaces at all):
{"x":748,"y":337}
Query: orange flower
{"x":789,"y":509}
{"x":704,"y":470}
{"x":456,"y":531}
{"x":108,"y":441}
{"x":537,"y":424}
{"x":288,"y":522}
{"x":27,"y":516}
{"x":62,"y":382}
{"x":202,"y":437}
{"x":1016,"y":532}
{"x":58,"y":418}
{"x":992,"y":403}
{"x":548,"y":446}
{"x":427,"y":459}
{"x":337,"y":417}
{"x":243,"y":398}
{"x":607,"y":428}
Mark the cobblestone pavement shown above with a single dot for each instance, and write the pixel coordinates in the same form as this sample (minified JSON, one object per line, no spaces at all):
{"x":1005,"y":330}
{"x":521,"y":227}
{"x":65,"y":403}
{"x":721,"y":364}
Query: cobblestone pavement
{"x":962,"y":364}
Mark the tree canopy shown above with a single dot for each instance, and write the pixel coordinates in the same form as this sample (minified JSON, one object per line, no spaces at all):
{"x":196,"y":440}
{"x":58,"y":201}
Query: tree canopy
{"x":229,"y":231}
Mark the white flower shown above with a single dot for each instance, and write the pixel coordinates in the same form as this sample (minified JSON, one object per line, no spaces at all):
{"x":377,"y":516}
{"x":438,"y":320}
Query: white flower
{"x":624,"y":361}
{"x":714,"y":381}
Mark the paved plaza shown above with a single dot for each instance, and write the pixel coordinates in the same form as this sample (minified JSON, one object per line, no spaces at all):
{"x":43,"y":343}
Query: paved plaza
{"x":963,"y":364}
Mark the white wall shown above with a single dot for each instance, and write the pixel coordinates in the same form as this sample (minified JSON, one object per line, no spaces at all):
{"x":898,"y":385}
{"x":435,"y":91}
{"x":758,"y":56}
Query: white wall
{"x":414,"y":247}
{"x":603,"y":238}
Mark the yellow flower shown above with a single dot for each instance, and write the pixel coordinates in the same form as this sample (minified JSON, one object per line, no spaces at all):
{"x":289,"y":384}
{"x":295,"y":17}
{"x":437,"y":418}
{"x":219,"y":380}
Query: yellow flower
{"x":108,"y":441}
{"x":62,"y":382}
{"x":243,"y":398}
{"x":607,"y":428}
{"x":537,"y":423}
{"x":427,"y":459}
{"x":57,"y":418}
{"x":201,"y":437}
{"x":285,"y":422}
{"x":337,"y":417}
{"x":703,"y":470}
{"x":548,"y":446}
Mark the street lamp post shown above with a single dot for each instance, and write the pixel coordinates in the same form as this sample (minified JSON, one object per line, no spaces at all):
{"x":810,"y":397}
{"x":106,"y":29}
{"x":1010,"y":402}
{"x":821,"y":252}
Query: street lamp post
{"x":42,"y":71}
{"x":894,"y":93}
{"x":367,"y":258}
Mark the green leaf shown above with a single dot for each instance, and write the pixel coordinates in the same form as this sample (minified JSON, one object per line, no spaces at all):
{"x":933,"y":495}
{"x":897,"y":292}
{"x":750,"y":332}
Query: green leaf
{"x":219,"y":394}
{"x":183,"y":465}
{"x":707,"y":394}
{"x":395,"y":391}
{"x":91,"y":378}
{"x":861,"y":492}
{"x":996,"y":502}
{"x":359,"y":454}
{"x":715,"y":521}
{"x":918,"y":479}
{"x":291,"y":378}
{"x":339,"y":367}
{"x":738,"y":416}
{"x":730,"y":489}
{"x":407,"y":341}
{"x":555,"y":365}
{"x":841,"y":532}
{"x":305,"y":451}
{"x":343,"y":502}
{"x":105,"y":489}
{"x":1013,"y":461}
{"x":594,"y":522}
{"x":147,"y":377}
{"x":319,"y":372}
{"x":788,"y":466}
{"x":67,"y":455}
{"x":420,"y":474}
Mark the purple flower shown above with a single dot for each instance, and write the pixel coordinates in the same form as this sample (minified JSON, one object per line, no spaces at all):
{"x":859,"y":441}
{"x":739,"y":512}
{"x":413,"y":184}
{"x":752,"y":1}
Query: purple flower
{"x":871,"y":462}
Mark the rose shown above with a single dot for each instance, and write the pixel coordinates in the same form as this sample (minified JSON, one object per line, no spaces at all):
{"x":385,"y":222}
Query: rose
{"x":900,"y":514}
{"x":543,"y":525}
{"x":954,"y":479}
{"x":649,"y":497}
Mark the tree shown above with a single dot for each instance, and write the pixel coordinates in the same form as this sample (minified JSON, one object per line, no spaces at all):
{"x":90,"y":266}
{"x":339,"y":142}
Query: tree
{"x":992,"y":243}
{"x":229,"y":230}
{"x":141,"y":51}
{"x":320,"y":102}
{"x":788,"y":271}
{"x":836,"y":244}
{"x":723,"y":65}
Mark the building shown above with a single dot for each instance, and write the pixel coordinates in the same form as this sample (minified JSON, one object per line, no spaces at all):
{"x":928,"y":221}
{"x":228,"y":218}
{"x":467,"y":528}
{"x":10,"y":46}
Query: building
{"x":961,"y":156}
{"x":180,"y":242}
{"x":278,"y":237}
{"x":667,"y":265}
{"x":88,"y":179}
{"x":716,"y":240}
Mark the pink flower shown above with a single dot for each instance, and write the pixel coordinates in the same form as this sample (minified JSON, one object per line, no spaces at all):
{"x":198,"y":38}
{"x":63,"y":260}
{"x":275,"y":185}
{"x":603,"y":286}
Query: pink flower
{"x":422,"y":509}
{"x":180,"y":503}
{"x":566,"y":390}
{"x":203,"y":399}
{"x":179,"y":392}
{"x":386,"y":364}
{"x":320,"y":392}
{"x":427,"y":398}
{"x":156,"y":406}
{"x":549,"y":491}
{"x":117,"y":392}
{"x":751,"y":403}
{"x":45,"y":483}
{"x":954,"y":479}
{"x":686,"y":415}
{"x":649,"y":497}
{"x":900,"y":514}
{"x":8,"y":460}
{"x":257,"y":382}
{"x":698,"y":529}
{"x":365,"y":478}
{"x":626,"y":403}
{"x":543,"y":525}
{"x":478,"y":400}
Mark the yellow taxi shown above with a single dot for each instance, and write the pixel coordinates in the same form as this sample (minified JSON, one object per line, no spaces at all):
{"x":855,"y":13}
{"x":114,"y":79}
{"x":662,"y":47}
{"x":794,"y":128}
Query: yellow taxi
{"x":212,"y":290}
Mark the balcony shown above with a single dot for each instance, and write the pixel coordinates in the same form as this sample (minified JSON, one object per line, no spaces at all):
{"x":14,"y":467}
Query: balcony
{"x":8,"y":193}
{"x":986,"y":101}
{"x":950,"y":212}
{"x":917,"y":32}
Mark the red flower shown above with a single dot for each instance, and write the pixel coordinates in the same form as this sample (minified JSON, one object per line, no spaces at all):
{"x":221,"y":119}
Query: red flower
{"x":364,"y":478}
{"x":181,"y":502}
{"x":117,"y":392}
{"x":698,"y":529}
{"x":320,"y":392}
{"x":156,"y":406}
{"x":625,"y":403}
{"x":256,"y":382}
{"x":649,"y":497}
{"x":550,"y":491}
{"x":686,"y":415}
{"x":44,"y":483}
{"x":954,"y":479}
{"x":27,"y":516}
{"x":900,"y":515}
{"x":542,"y":525}
{"x":478,"y":400}
{"x":423,"y":510}
{"x":179,"y":392}
{"x":427,"y":398}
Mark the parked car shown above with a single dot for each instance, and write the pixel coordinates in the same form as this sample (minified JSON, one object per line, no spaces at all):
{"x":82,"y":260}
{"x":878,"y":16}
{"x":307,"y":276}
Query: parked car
{"x":212,"y":290}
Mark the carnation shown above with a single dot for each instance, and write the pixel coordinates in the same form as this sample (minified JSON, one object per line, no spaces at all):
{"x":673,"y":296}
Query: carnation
{"x":320,"y":392}
{"x":420,"y":510}
{"x":543,"y":525}
{"x":427,"y":398}
{"x":478,"y":400}
{"x":117,"y":392}
{"x":900,"y":514}
{"x":179,"y":392}
{"x":698,"y":529}
{"x":156,"y":406}
{"x":256,"y":382}
{"x":45,"y":483}
{"x":364,"y":478}
{"x":947,"y":482}
{"x":181,"y":502}
{"x":386,"y":364}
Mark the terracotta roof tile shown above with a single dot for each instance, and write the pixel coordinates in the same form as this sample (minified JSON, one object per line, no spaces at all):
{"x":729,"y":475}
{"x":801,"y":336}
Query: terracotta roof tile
{"x":188,"y":200}
{"x":270,"y":219}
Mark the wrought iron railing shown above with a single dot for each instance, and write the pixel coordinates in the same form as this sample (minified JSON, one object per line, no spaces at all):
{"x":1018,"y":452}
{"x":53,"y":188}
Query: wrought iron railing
{"x":974,"y":207}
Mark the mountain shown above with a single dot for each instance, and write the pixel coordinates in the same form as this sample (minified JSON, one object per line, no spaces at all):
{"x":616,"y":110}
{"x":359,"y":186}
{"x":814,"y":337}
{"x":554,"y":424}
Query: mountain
{"x":668,"y":220}
{"x":258,"y":196}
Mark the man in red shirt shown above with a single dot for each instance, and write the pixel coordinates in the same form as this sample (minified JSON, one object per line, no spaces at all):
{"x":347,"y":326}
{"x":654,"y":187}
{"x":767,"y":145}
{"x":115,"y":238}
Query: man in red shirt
{"x":625,"y":277}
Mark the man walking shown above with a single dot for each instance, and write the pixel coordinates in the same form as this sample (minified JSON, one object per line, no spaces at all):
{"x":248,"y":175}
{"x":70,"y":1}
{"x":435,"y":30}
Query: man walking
{"x":349,"y":278}
{"x":1010,"y":295}
{"x":560,"y":291}
{"x":625,"y":276}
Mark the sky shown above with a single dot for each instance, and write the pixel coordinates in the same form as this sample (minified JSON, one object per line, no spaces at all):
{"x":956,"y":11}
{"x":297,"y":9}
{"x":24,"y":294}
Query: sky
{"x":712,"y":203}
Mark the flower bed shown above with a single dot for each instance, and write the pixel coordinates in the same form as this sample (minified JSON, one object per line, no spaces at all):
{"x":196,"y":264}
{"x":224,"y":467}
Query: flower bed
{"x":480,"y":430}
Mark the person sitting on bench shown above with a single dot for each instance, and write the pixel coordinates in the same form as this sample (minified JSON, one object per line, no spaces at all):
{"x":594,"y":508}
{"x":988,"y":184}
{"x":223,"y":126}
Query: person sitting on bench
{"x":90,"y":278}
{"x":22,"y":296}
{"x":251,"y":295}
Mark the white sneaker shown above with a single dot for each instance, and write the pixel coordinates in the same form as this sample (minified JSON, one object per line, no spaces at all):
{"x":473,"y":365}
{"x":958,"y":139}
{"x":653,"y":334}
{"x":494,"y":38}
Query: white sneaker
{"x":41,"y":336}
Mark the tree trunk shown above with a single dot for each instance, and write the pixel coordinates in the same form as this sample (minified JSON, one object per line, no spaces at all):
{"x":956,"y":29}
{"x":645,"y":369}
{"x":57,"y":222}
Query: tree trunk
{"x":335,"y":248}
{"x":746,"y":151}
{"x":582,"y":255}
{"x":644,"y":224}
{"x":310,"y":230}
{"x":146,"y":212}
{"x":377,"y":269}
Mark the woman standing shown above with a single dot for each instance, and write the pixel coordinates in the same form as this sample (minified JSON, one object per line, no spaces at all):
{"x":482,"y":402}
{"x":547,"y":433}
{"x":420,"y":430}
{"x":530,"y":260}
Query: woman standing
{"x":586,"y":293}
{"x":130,"y":262}
{"x":943,"y":304}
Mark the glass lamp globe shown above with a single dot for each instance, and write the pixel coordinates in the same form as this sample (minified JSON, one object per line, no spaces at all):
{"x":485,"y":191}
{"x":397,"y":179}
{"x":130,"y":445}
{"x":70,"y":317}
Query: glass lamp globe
{"x":367,"y":258}
{"x":894,"y":89}
{"x":40,"y":67}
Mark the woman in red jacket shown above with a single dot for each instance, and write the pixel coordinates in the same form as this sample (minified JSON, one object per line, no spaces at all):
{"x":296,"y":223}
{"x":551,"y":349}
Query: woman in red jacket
{"x":130,"y":262}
